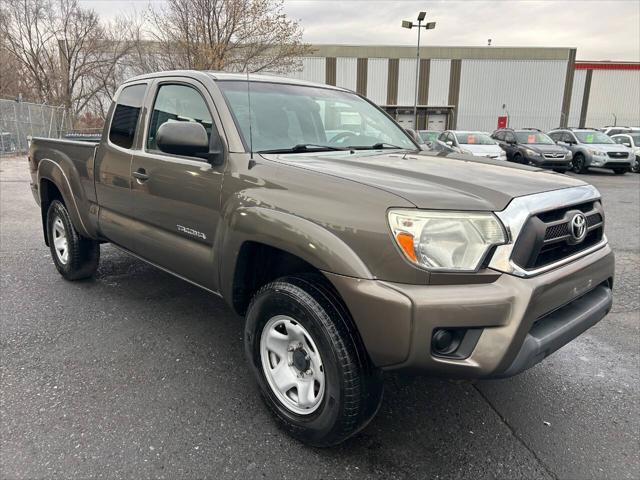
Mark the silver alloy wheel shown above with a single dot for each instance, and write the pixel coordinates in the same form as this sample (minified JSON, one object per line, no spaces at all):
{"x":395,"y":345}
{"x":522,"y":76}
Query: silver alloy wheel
{"x":292,"y":365}
{"x":60,"y":242}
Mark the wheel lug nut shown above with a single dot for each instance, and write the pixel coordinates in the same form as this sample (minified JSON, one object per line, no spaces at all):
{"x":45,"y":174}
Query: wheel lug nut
{"x":290,"y":348}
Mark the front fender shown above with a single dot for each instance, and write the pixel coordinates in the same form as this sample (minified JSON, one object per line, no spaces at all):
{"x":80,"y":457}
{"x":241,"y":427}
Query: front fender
{"x":296,"y":235}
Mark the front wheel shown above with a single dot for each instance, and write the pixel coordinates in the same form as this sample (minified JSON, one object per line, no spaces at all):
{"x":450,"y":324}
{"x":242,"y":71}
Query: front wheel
{"x":635,"y":167}
{"x":579,"y":164}
{"x":76,"y":257}
{"x":620,"y":171}
{"x":313,"y":371}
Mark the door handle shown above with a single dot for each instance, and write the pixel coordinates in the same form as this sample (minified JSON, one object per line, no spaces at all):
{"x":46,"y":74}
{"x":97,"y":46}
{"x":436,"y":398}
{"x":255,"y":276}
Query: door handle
{"x":141,"y":175}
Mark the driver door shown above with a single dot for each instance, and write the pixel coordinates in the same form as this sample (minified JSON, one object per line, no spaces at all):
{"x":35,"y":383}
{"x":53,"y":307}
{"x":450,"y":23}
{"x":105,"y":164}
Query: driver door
{"x":176,"y":198}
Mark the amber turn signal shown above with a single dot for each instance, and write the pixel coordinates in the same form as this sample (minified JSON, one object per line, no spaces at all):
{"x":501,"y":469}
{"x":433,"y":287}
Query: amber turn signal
{"x":405,"y":240}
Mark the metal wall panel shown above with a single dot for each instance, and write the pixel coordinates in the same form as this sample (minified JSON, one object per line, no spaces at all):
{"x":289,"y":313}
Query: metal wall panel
{"x":346,"y":72}
{"x":407,"y":81}
{"x":576,"y":97}
{"x":377,"y":80}
{"x":439,"y":82}
{"x":531,"y":89}
{"x":614,"y":92}
{"x":313,"y":70}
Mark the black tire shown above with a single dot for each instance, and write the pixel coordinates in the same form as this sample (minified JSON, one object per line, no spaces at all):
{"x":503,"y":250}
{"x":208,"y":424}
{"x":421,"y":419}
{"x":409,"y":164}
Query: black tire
{"x":353,"y":386}
{"x":579,"y":163}
{"x":560,"y":170}
{"x":83,"y":254}
{"x":620,"y":171}
{"x":518,"y":158}
{"x":635,"y":167}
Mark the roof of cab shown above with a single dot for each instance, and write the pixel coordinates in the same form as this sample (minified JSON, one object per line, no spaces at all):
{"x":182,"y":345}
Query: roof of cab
{"x":253,"y":77}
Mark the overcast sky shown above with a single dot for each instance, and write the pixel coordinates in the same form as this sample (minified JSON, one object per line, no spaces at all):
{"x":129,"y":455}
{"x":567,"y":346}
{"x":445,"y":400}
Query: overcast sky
{"x":601,"y":30}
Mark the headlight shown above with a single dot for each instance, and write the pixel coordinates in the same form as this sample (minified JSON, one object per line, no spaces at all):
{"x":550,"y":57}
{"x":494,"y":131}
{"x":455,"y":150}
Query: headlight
{"x":442,"y":240}
{"x":597,"y":153}
{"x":568,"y":155}
{"x":531,"y":153}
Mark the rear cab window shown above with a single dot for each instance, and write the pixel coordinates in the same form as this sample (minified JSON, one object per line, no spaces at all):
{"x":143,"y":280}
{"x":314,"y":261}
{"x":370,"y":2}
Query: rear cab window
{"x":126,"y":114}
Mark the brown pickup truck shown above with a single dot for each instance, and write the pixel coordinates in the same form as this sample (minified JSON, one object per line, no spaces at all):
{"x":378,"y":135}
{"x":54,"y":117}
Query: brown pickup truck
{"x":348,"y":250}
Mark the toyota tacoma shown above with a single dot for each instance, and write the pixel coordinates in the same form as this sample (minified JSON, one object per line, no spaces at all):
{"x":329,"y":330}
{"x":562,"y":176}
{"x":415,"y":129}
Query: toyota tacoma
{"x":347,"y":249}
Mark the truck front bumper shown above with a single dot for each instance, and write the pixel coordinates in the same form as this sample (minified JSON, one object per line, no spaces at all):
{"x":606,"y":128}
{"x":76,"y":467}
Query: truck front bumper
{"x":515,"y":322}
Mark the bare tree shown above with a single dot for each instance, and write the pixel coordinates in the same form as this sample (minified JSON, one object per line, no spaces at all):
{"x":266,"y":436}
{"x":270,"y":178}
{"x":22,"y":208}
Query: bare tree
{"x":29,"y":38}
{"x":232,"y":35}
{"x":63,"y":50}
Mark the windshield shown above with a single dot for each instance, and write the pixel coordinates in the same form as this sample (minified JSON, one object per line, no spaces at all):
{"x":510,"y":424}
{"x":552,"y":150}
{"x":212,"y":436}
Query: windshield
{"x":474,"y":138}
{"x":533,"y":138}
{"x":287,"y":117}
{"x":636,"y":139}
{"x":428,"y":136}
{"x":593,"y":137}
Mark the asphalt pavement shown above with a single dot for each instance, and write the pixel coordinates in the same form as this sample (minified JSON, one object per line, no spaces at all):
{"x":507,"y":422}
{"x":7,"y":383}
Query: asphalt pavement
{"x":136,"y":374}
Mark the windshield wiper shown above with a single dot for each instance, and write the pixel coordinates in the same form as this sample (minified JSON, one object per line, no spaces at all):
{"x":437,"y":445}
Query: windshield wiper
{"x":302,"y":147}
{"x":377,"y":146}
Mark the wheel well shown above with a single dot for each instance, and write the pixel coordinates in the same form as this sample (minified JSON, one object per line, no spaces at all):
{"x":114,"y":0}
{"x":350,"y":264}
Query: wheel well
{"x":259,"y":264}
{"x":48,"y":193}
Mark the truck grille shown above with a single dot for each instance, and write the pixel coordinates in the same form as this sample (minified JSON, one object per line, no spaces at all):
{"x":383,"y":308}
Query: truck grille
{"x":618,"y":154}
{"x":546,"y":237}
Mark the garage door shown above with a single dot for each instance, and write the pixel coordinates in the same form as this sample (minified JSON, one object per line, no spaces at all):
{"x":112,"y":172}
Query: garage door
{"x":437,"y":122}
{"x":405,"y":120}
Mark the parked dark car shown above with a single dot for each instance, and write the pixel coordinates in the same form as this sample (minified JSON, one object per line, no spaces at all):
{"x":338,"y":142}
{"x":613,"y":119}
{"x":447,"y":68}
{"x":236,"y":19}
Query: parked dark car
{"x":533,"y":147}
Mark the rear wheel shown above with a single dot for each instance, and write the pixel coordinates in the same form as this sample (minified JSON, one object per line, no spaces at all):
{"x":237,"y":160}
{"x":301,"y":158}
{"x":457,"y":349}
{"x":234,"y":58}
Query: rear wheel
{"x":579,"y":163}
{"x":76,"y":257}
{"x":312,"y":369}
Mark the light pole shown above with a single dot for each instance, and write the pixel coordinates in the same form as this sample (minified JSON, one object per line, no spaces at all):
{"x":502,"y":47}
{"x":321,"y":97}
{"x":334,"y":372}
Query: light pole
{"x":420,"y":26}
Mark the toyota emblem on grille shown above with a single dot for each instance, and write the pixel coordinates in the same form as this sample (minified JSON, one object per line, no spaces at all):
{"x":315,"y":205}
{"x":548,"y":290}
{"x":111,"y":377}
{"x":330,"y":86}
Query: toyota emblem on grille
{"x":578,"y":227}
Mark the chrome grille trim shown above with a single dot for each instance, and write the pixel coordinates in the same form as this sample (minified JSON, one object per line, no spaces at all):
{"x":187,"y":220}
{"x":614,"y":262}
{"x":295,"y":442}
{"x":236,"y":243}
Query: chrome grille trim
{"x":520,"y":209}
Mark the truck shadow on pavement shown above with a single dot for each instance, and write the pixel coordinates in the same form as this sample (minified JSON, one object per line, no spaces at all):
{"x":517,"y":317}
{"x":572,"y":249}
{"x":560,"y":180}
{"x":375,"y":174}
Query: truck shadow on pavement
{"x":423,"y":425}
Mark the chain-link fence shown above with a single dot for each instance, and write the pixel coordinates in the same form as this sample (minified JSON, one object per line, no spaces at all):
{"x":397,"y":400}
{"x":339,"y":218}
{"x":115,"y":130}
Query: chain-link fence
{"x":21,"y":120}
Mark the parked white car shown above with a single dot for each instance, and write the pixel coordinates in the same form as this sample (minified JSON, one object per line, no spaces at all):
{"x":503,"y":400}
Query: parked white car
{"x":479,"y":144}
{"x":631,"y":140}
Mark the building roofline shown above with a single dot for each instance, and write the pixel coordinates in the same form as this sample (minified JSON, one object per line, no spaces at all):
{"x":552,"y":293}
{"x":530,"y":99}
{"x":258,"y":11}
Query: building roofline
{"x":441,"y":52}
{"x":606,"y":65}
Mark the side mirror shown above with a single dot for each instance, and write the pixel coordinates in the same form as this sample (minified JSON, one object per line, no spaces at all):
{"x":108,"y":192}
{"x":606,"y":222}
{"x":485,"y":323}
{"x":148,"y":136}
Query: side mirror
{"x":183,"y":138}
{"x":626,"y":144}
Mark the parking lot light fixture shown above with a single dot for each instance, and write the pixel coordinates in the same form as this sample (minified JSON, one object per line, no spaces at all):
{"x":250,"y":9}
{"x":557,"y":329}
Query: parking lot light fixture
{"x":420,"y":26}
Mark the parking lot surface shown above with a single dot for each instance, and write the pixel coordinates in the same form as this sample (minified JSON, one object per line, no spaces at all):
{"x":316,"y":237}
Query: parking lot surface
{"x":136,"y":374}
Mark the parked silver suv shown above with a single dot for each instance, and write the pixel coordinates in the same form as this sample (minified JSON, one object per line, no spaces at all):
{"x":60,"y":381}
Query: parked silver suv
{"x":591,"y":148}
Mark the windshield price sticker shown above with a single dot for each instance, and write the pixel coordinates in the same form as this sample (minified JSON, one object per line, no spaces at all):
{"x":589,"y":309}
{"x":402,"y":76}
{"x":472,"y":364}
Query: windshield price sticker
{"x":471,"y":139}
{"x":531,"y":139}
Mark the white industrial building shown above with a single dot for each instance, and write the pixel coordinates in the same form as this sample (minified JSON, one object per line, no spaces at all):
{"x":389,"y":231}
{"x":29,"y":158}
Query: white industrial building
{"x":470,"y":87}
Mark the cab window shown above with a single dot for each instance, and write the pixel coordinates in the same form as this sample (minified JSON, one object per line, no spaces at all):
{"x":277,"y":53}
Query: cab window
{"x":125,"y":116}
{"x":178,"y":103}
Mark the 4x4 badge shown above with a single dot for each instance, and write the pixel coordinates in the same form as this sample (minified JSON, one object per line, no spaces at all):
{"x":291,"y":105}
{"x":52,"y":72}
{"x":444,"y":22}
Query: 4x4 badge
{"x":578,"y":227}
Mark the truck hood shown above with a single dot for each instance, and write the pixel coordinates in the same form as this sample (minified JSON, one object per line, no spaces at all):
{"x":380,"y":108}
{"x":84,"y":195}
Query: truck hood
{"x":436,"y":180}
